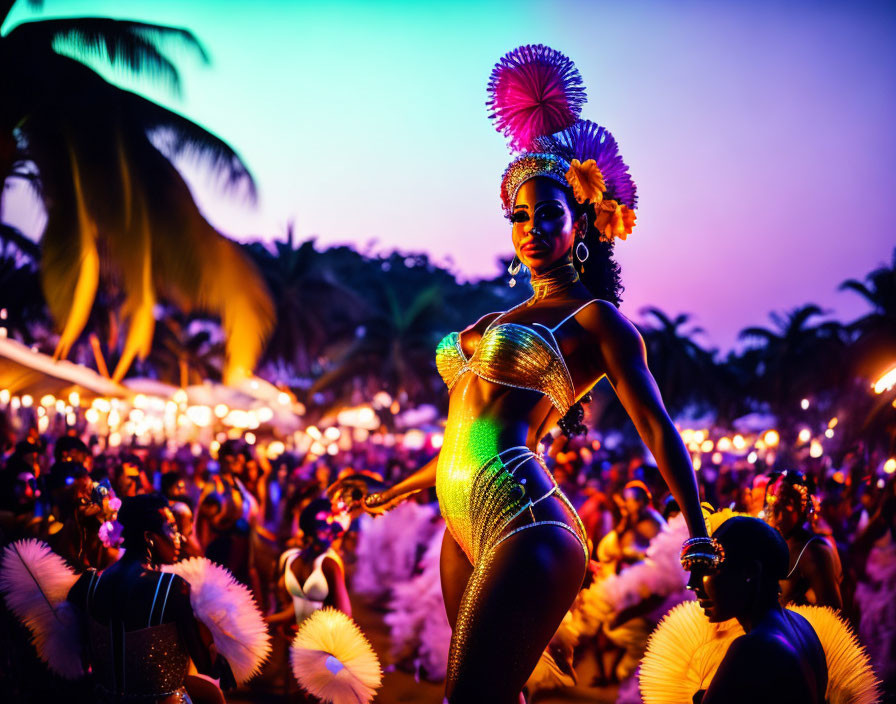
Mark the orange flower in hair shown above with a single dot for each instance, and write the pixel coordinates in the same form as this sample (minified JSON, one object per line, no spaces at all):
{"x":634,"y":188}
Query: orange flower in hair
{"x":587,"y":181}
{"x":613,"y":220}
{"x":603,"y":214}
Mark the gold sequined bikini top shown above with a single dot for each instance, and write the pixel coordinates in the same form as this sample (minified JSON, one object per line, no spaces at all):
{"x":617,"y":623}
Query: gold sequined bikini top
{"x":513,"y":355}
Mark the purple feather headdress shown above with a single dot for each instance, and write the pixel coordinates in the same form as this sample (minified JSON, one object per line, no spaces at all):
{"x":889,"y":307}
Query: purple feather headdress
{"x":534,"y":91}
{"x":588,"y":140}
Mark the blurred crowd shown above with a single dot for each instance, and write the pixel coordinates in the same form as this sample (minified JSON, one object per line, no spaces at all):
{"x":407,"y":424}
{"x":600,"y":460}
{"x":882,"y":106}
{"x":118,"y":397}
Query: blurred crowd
{"x":250,"y":512}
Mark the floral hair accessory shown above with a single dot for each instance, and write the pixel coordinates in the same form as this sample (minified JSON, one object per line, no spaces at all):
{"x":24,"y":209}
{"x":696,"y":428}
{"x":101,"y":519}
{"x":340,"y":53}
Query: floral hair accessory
{"x":586,"y":181}
{"x":614,"y":220}
{"x":110,"y":533}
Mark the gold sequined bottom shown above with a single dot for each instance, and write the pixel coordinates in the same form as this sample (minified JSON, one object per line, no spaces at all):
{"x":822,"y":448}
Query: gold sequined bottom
{"x":471,"y":602}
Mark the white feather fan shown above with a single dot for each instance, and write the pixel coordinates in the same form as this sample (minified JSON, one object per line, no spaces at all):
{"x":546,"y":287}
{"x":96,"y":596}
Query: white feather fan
{"x":332,"y":659}
{"x":35,"y":582}
{"x":228,"y":610}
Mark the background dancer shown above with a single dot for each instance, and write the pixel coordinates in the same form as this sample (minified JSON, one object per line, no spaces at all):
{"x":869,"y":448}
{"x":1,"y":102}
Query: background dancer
{"x":141,"y":630}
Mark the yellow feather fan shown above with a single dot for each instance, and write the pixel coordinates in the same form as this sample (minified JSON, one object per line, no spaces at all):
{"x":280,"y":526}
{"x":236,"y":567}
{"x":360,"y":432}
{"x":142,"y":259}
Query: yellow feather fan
{"x":685,"y":651}
{"x":332,"y":659}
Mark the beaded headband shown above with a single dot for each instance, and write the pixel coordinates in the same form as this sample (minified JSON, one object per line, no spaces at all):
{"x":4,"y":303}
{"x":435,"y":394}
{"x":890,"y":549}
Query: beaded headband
{"x":535,"y":97}
{"x":528,"y":166}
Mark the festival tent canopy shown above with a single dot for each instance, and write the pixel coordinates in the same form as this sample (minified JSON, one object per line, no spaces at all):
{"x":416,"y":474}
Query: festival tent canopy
{"x":24,"y":370}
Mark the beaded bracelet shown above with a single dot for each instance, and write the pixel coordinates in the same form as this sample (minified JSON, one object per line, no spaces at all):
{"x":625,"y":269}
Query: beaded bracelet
{"x":707,"y":553}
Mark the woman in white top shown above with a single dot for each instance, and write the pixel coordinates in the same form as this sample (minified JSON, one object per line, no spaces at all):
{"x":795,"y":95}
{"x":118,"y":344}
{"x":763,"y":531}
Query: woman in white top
{"x":313,"y":575}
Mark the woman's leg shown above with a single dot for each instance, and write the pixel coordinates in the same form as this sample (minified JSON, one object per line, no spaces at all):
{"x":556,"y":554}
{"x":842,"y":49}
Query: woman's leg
{"x":513,"y":604}
{"x":455,"y":570}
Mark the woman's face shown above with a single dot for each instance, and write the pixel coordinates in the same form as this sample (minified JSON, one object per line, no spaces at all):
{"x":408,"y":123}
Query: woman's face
{"x":543,"y":225}
{"x":722,"y":595}
{"x":783,"y":508}
{"x":167,"y":543}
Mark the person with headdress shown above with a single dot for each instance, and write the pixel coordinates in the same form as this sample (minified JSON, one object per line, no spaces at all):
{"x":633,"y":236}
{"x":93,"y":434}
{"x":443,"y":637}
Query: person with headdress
{"x":514,"y":554}
{"x":313,"y":574}
{"x":638,"y":524}
{"x":815,"y":573}
{"x":737,"y":643}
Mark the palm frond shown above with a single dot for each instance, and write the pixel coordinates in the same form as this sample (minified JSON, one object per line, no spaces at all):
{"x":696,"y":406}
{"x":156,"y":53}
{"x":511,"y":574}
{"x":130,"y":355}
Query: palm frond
{"x":71,"y":263}
{"x":859,"y":288}
{"x":133,"y":46}
{"x":178,"y":137}
{"x":757,"y":332}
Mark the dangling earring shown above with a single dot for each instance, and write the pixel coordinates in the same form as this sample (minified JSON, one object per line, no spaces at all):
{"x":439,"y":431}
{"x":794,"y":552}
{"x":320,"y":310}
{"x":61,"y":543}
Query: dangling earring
{"x":514,"y":269}
{"x":150,"y":546}
{"x":582,"y":251}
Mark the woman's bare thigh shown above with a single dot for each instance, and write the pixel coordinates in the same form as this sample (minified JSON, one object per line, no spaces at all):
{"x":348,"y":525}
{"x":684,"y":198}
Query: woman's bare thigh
{"x":455,"y":570}
{"x":514,"y":602}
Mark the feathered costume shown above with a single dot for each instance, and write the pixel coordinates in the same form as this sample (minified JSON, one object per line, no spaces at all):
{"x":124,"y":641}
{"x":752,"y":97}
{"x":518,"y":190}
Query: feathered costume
{"x":685,"y":652}
{"x":228,"y":610}
{"x":419,"y":628}
{"x":389,"y":546}
{"x":36,"y":584}
{"x":332,"y":659}
{"x":877,"y":608}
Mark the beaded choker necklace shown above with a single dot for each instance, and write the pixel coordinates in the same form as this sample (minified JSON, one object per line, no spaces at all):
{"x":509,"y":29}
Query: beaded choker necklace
{"x":553,"y":281}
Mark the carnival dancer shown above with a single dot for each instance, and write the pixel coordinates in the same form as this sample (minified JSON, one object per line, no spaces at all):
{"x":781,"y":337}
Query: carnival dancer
{"x":136,"y":626}
{"x":227,"y":516}
{"x":331,"y":659}
{"x":514,"y":555}
{"x":746,"y":647}
{"x":815,"y":572}
{"x":313,"y":574}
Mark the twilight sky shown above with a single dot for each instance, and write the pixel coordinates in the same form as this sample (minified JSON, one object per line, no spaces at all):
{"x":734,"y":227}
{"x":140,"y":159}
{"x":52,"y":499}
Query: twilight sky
{"x":760,"y":134}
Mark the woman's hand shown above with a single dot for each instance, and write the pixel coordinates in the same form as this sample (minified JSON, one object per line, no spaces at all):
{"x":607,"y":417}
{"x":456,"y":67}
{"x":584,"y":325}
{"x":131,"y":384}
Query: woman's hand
{"x":352,"y":494}
{"x":378,"y":503}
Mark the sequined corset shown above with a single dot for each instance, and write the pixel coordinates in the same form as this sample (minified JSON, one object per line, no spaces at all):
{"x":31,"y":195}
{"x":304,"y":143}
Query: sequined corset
{"x":513,"y":355}
{"x":147,"y":665}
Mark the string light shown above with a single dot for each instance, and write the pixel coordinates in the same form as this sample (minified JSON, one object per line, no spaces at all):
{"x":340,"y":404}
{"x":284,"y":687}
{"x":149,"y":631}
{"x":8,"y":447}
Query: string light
{"x":886,"y":382}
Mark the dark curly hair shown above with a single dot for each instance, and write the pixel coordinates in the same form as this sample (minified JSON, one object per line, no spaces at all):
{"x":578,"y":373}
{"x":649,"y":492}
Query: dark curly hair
{"x":602,"y":276}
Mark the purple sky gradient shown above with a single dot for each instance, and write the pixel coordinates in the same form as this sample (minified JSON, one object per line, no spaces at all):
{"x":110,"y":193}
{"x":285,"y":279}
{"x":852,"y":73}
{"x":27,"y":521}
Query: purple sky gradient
{"x":760,"y":134}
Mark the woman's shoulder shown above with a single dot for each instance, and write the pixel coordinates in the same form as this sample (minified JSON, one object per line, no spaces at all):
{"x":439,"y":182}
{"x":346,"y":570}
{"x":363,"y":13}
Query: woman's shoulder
{"x":483,"y":322}
{"x":609,"y":326}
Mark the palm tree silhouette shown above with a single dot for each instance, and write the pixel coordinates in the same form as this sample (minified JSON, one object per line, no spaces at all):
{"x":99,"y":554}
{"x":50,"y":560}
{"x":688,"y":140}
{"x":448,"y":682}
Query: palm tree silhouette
{"x":22,"y":306}
{"x":794,"y":359}
{"x":314,"y":309}
{"x":100,"y":158}
{"x":876,"y":341}
{"x":182,"y":354}
{"x":683,"y":370}
{"x":394,"y":349}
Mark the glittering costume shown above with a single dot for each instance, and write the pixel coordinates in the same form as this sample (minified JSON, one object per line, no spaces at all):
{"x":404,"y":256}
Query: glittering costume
{"x":145,"y":664}
{"x":479,"y":493}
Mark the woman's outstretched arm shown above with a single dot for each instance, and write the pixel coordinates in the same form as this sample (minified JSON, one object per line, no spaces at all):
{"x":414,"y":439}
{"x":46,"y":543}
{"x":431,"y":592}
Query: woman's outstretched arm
{"x":380,"y":502}
{"x":423,"y":478}
{"x":624,"y":360}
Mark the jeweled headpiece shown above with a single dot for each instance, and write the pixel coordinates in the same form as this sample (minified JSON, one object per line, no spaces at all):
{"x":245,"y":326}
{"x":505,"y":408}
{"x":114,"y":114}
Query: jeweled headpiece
{"x":535,"y":97}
